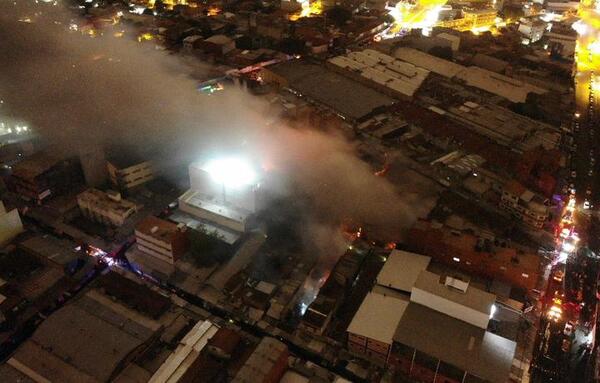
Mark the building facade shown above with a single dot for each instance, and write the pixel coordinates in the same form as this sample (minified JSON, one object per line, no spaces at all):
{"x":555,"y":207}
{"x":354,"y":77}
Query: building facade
{"x":161,"y":239}
{"x":480,"y":255}
{"x":106,"y":208}
{"x":128,"y":176}
{"x":524,"y":204}
{"x":42,"y":175}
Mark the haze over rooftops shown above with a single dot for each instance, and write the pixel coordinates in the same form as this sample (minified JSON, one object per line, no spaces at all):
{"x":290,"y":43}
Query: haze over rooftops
{"x":35,"y":165}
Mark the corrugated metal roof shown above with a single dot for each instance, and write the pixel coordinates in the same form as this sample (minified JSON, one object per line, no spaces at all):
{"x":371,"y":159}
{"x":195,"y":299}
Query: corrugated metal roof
{"x":377,"y":317}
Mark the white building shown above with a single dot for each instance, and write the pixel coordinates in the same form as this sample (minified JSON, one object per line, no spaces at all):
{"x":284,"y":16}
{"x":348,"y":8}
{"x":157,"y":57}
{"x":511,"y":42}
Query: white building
{"x":385,"y":73}
{"x":372,"y":329}
{"x":186,"y":353}
{"x":106,"y":208}
{"x":454,"y":297}
{"x":127,"y":173}
{"x":10,"y":224}
{"x":224,"y":192}
{"x":532,"y":30}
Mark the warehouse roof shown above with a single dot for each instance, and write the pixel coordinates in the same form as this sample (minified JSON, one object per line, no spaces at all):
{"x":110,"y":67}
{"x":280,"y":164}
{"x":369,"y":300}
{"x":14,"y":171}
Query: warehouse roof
{"x":507,"y":87}
{"x":378,"y":316}
{"x":67,"y":334}
{"x":402,"y":269}
{"x":188,"y":350}
{"x":432,"y":63}
{"x":458,"y":343}
{"x":52,"y":248}
{"x":473,"y":298}
{"x":398,"y":76}
{"x":35,"y":165}
{"x":495,"y":83}
{"x":347,"y":97}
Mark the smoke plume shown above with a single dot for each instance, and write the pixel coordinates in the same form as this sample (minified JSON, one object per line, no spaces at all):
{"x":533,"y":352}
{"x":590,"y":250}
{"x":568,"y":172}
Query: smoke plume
{"x":81,"y":92}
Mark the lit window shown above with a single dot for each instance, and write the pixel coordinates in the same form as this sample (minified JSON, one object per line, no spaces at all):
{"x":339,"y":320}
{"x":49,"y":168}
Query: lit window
{"x":456,"y":259}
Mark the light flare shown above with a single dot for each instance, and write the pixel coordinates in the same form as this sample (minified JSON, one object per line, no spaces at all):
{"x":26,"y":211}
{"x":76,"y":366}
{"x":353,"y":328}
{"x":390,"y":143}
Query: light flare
{"x":587,"y":53}
{"x":309,"y":9}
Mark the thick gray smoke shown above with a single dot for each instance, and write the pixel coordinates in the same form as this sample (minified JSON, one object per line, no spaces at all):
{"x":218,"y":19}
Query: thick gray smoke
{"x":79,"y":92}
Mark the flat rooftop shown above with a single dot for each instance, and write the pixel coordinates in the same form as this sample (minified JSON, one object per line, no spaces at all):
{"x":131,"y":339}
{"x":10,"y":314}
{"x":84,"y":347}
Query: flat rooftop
{"x":399,"y":76}
{"x":347,"y":97}
{"x":507,"y":87}
{"x":201,"y":201}
{"x":67,"y":335}
{"x":157,"y":228}
{"x":473,"y":298}
{"x":123,"y":157}
{"x":465,"y":346}
{"x":226,"y":235}
{"x":401,"y":270}
{"x":512,"y":89}
{"x":431,"y":63}
{"x":34,"y":165}
{"x":101,"y":199}
{"x":56,"y":250}
{"x":378,"y":317}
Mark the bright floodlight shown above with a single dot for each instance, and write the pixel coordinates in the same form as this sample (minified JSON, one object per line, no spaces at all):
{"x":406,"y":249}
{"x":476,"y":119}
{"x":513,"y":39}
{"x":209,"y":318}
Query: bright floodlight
{"x":231,"y":172}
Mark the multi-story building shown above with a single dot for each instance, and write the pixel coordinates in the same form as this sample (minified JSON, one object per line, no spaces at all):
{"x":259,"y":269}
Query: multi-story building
{"x":436,"y":334}
{"x":42,"y":175}
{"x":431,"y":346}
{"x":107,"y":208}
{"x":472,"y":20}
{"x":524,"y":204}
{"x":532,"y":30}
{"x":478,"y":254}
{"x":453,"y":296}
{"x":224,"y":192}
{"x":442,"y":334}
{"x":161,"y":239}
{"x":387,"y":301}
{"x":127,"y":173}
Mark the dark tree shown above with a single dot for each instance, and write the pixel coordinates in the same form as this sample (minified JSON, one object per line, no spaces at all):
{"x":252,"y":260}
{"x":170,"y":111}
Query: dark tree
{"x":292,"y":46}
{"x":441,"y":52}
{"x":338,"y":15}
